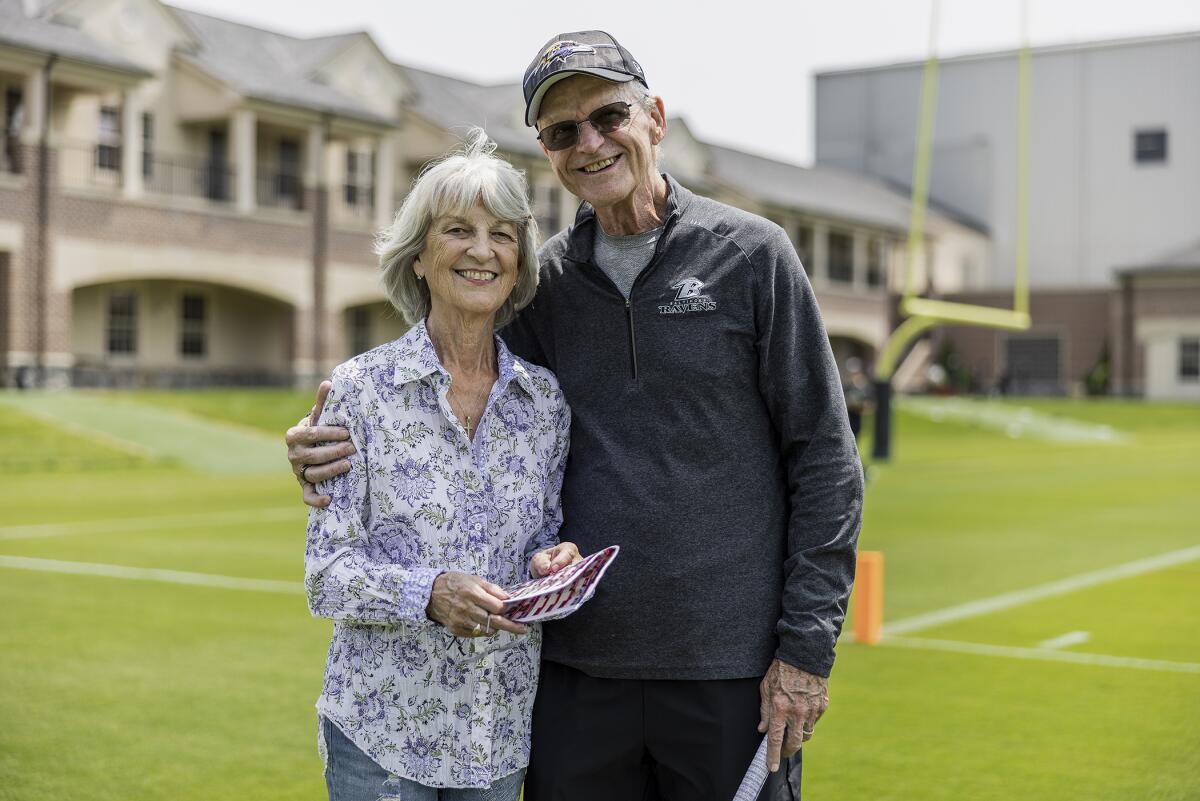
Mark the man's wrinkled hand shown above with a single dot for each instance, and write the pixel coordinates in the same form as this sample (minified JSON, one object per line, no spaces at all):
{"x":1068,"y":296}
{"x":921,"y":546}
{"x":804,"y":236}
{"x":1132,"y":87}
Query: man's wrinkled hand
{"x":792,"y":703}
{"x":554,"y":559}
{"x":317,"y":453}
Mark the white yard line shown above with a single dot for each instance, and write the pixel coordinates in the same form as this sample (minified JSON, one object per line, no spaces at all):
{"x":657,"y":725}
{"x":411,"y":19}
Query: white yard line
{"x":116,"y":525}
{"x":151,"y":574}
{"x":1065,"y":640}
{"x":1041,"y":655}
{"x":1071,"y":584}
{"x":1015,"y":421}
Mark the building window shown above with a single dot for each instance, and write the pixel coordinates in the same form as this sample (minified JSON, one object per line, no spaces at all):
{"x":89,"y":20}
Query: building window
{"x":1032,"y":364}
{"x":1150,"y":146}
{"x":192,"y":341}
{"x":841,"y":257}
{"x":13,"y":119}
{"x":122,"y":323}
{"x":147,"y":144}
{"x":804,"y":246}
{"x":1189,"y":359}
{"x":108,"y":142}
{"x":360,"y":330}
{"x":546,"y":200}
{"x":216,"y":175}
{"x":876,"y":256}
{"x":287,"y":184}
{"x":360,"y":169}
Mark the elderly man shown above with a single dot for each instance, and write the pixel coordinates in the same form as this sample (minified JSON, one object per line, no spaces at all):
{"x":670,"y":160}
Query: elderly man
{"x":710,"y":441}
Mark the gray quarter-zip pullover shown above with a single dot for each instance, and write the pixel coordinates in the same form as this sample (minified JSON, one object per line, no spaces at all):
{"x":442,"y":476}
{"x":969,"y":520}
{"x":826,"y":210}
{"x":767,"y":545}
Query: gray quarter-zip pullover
{"x":709,"y":440}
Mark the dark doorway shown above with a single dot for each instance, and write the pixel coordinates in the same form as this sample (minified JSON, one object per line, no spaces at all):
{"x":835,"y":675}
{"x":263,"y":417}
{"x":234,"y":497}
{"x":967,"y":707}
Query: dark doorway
{"x":217,"y":183}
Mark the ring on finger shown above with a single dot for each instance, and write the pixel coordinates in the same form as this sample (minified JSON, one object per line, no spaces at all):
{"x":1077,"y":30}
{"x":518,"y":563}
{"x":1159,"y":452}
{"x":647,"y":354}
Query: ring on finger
{"x":488,"y":628}
{"x":476,"y":629}
{"x":304,"y":473}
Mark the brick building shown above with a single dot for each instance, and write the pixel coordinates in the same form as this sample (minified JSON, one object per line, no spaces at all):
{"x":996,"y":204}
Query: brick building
{"x":185,"y":200}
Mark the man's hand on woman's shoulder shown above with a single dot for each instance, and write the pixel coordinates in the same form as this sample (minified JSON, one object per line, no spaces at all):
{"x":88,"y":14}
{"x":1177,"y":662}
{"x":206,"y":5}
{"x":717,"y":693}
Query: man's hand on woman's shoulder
{"x":317,"y":453}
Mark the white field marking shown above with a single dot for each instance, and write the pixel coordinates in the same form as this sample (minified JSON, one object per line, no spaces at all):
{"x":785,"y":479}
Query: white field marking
{"x":37,"y":531}
{"x":151,"y":574}
{"x":1066,"y":640}
{"x":1042,"y":655}
{"x":1015,"y":421}
{"x":1065,"y":586}
{"x":83,"y":432}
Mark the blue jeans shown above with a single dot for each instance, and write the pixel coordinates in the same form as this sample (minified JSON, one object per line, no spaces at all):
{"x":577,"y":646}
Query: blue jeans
{"x":351,"y":775}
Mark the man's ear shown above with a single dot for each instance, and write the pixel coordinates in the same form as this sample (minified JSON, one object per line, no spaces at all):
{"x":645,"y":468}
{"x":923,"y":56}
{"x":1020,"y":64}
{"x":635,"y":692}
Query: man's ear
{"x":659,"y":115}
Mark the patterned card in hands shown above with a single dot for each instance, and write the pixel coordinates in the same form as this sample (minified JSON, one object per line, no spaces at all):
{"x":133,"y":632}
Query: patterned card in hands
{"x":559,"y":594}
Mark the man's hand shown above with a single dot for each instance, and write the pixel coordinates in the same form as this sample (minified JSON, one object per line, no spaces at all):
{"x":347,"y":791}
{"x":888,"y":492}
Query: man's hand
{"x":554,"y":559}
{"x":322,"y":449}
{"x":468,"y":606}
{"x":792,"y":703}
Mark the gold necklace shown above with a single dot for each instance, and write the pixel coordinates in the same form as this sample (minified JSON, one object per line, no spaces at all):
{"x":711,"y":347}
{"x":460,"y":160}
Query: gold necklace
{"x":466,"y":417}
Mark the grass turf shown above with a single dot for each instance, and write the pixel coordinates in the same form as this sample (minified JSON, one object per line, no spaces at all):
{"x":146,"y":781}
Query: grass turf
{"x":117,"y":689}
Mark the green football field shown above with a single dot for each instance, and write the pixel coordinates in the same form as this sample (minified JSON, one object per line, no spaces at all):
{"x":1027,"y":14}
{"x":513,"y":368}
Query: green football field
{"x":1042,"y":605}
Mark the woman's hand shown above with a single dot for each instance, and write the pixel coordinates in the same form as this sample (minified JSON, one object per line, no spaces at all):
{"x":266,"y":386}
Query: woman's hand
{"x":468,"y":606}
{"x":554,"y":559}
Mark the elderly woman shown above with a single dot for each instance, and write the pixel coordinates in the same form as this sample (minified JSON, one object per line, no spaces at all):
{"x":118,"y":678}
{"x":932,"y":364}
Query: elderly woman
{"x":453,"y":493}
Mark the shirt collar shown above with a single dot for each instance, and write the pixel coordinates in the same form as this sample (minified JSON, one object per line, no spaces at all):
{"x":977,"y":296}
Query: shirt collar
{"x":416,"y":358}
{"x":581,"y":236}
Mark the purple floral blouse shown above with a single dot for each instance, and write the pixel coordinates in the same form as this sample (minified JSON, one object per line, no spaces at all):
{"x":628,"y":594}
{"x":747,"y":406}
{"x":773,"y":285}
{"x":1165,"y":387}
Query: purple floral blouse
{"x":420,"y":499}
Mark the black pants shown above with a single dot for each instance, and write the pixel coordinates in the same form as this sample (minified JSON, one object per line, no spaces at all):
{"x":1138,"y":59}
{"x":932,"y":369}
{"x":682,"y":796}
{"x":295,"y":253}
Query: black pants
{"x":646,"y":740}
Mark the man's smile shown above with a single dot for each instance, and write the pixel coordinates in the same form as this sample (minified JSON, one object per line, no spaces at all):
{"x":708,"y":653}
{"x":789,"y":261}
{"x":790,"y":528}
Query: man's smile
{"x":597,"y":166}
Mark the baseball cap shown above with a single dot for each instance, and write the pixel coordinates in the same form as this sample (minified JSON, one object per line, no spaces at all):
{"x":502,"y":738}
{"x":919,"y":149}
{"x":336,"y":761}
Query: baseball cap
{"x":578,"y":53}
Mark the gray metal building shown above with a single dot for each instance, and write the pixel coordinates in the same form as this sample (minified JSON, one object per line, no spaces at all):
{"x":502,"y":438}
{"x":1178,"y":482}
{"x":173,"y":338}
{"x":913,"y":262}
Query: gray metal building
{"x":1114,"y":186}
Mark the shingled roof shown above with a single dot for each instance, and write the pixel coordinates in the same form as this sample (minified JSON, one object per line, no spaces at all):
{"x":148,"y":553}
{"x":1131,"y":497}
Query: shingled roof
{"x":820,"y":189}
{"x":45,"y":36}
{"x":454,"y":104}
{"x":270,"y":66}
{"x":1175,"y":262}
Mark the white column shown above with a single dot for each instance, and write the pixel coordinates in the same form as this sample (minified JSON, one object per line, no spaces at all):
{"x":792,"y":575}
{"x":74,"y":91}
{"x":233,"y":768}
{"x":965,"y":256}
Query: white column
{"x":132,"y":143}
{"x":385,"y":180}
{"x":244,"y":125}
{"x":820,"y":255}
{"x":34,"y":102}
{"x":859,"y":254}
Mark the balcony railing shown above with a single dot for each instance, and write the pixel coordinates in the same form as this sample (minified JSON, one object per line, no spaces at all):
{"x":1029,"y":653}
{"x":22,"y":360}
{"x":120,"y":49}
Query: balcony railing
{"x":188,"y":176}
{"x":90,"y":165}
{"x":279,"y":188}
{"x":357,"y":204}
{"x":99,"y":166}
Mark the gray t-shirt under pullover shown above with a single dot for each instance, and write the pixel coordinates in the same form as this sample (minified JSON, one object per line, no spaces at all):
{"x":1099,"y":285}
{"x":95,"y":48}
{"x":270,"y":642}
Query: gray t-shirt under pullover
{"x":622,"y":258}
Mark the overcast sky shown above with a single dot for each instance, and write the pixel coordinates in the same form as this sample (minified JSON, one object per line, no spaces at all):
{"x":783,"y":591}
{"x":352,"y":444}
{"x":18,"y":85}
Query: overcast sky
{"x":739,"y":71}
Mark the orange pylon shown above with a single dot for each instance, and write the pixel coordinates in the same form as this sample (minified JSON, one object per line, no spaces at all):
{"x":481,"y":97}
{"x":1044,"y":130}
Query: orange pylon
{"x":868,"y":598}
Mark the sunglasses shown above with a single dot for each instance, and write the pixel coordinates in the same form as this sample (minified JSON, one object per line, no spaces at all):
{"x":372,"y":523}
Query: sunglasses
{"x":605,"y":120}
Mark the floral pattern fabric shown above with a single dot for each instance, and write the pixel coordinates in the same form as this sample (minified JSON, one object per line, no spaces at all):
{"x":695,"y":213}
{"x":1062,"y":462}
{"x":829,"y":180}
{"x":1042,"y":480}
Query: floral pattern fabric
{"x":421,"y":499}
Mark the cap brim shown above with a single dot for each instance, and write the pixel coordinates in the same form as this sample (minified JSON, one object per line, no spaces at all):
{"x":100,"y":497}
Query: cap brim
{"x":535,"y":102}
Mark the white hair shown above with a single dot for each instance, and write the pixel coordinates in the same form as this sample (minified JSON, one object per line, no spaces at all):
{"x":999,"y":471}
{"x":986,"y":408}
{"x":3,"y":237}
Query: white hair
{"x":452,"y":185}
